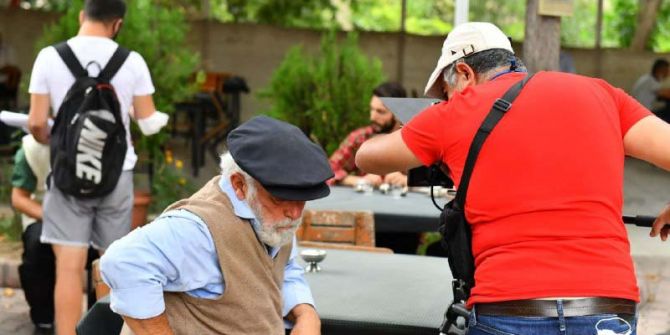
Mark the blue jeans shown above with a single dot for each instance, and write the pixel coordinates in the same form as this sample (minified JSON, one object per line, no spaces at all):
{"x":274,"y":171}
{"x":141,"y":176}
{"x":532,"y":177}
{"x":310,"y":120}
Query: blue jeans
{"x":603,"y":324}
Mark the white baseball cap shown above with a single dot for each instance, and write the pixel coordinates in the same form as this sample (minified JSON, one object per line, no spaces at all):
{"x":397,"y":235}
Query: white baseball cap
{"x":464,"y":40}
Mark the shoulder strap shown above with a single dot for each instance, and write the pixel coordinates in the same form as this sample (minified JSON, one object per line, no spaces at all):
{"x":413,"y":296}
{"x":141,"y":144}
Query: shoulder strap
{"x":118,"y":58}
{"x":498,"y":110}
{"x":70,"y":60}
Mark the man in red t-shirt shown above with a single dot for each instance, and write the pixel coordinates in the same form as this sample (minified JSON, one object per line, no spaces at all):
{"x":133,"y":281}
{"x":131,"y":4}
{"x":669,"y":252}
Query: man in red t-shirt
{"x":545,"y":198}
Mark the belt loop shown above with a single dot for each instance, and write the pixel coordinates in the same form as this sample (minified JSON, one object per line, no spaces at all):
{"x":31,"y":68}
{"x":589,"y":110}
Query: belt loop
{"x":473,"y":316}
{"x":561,"y":316}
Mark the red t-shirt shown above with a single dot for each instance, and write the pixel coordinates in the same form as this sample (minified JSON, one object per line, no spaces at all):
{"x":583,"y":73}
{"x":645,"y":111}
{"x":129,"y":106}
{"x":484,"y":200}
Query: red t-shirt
{"x":546,"y":193}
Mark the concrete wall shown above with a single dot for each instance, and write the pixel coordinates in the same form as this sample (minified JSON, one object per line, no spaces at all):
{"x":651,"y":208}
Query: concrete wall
{"x":21,"y":29}
{"x":254,"y":51}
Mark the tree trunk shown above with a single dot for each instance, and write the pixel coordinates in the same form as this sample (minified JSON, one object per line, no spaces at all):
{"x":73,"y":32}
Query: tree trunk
{"x":542,"y":43}
{"x":646,"y":20}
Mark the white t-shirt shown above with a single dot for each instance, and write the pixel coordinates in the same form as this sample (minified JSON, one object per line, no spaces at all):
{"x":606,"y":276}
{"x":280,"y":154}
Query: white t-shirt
{"x":51,"y":76}
{"x":645,"y":90}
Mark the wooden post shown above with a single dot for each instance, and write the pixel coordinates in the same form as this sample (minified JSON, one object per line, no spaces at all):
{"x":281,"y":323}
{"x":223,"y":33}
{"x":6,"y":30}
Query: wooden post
{"x":542,"y":45}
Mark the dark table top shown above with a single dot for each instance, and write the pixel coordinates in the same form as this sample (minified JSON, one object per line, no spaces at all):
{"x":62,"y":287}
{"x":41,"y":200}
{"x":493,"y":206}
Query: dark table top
{"x":389,"y":291}
{"x":356,"y":292}
{"x":414,"y":212}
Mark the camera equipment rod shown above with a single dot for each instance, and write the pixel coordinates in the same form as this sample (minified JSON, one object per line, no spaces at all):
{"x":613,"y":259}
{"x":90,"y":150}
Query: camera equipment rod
{"x":640,"y":220}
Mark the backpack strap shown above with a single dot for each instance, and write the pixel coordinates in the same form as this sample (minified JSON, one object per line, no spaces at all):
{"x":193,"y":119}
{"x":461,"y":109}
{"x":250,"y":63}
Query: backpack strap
{"x":118,"y":58}
{"x":66,"y":54}
{"x":498,"y":110}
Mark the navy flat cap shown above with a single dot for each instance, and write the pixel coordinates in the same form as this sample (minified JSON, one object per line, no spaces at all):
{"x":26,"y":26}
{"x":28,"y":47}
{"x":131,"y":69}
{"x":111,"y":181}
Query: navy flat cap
{"x":281,"y":158}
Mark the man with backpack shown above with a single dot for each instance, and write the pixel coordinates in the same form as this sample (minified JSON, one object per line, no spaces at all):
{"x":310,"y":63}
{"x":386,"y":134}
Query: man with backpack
{"x":90,"y":83}
{"x":550,"y":252}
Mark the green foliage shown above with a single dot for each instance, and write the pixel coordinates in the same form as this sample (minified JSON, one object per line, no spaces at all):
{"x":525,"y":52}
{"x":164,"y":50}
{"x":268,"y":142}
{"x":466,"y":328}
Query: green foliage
{"x":10,"y":222}
{"x":620,"y":22}
{"x":660,"y":39}
{"x":427,"y":241}
{"x":5,"y":182}
{"x":169,"y":184}
{"x":578,"y":30}
{"x":327,"y":94}
{"x":10,"y":227}
{"x":431,"y":17}
{"x":294,"y":13}
{"x":158,"y":34}
{"x":508,"y":15}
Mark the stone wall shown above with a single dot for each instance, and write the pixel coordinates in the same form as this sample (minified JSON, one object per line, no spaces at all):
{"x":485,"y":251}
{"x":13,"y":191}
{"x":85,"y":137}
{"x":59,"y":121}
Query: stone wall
{"x":254,"y":51}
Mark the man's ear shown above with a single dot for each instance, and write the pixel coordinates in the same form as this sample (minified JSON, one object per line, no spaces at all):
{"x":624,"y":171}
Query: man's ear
{"x":465,"y":71}
{"x":239,"y":185}
{"x":118,"y":24}
{"x":82,"y":17}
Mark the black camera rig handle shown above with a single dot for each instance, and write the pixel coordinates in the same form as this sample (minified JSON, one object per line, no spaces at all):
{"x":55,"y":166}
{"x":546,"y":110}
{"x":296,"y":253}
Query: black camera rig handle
{"x":639,"y":220}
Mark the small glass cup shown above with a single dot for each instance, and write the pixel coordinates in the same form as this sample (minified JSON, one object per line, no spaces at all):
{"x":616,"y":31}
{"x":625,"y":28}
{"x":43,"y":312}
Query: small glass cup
{"x":368,"y":188}
{"x":396,"y":191}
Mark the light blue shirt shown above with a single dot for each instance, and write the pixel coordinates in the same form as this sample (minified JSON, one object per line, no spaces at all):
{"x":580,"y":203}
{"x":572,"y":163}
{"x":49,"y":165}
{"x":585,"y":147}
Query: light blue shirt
{"x":176,"y":253}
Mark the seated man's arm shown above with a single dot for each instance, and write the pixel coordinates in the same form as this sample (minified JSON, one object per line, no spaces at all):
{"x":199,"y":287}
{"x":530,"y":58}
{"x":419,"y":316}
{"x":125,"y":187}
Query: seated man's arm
{"x":663,"y":93}
{"x":297,"y":299}
{"x":153,"y":259}
{"x":342,"y":161}
{"x":23,"y":202}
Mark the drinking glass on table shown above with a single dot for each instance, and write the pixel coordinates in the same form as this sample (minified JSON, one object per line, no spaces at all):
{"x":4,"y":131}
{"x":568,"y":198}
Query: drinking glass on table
{"x":364,"y":187}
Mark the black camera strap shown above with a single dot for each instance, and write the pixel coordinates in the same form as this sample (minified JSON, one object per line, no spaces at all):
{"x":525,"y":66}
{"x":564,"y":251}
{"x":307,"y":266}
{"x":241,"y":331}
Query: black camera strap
{"x":463,"y":282}
{"x":499,"y":109}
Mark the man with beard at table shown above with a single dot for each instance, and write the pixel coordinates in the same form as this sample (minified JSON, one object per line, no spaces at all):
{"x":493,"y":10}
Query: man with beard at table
{"x":382,"y":121}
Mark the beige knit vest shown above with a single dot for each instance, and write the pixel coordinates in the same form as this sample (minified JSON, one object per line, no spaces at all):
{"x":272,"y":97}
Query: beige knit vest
{"x":252,"y":300}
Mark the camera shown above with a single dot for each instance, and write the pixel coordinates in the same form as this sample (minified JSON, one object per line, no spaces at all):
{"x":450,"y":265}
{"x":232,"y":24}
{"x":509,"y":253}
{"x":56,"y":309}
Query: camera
{"x":428,"y":176}
{"x":404,"y":109}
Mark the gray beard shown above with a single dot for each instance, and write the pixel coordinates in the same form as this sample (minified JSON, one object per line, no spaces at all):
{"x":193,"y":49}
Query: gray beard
{"x":267,"y":231}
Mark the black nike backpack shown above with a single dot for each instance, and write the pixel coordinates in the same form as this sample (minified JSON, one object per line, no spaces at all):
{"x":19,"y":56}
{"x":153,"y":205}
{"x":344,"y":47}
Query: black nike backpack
{"x":88,"y":138}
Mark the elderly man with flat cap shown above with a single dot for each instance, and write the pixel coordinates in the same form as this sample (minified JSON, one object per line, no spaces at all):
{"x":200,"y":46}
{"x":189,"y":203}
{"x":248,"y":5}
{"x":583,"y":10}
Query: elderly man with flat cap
{"x":223,"y":260}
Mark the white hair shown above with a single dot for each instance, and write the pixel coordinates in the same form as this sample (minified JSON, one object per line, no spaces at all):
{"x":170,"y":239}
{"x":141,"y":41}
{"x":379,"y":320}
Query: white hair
{"x":230,"y":167}
{"x":449,"y":75}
